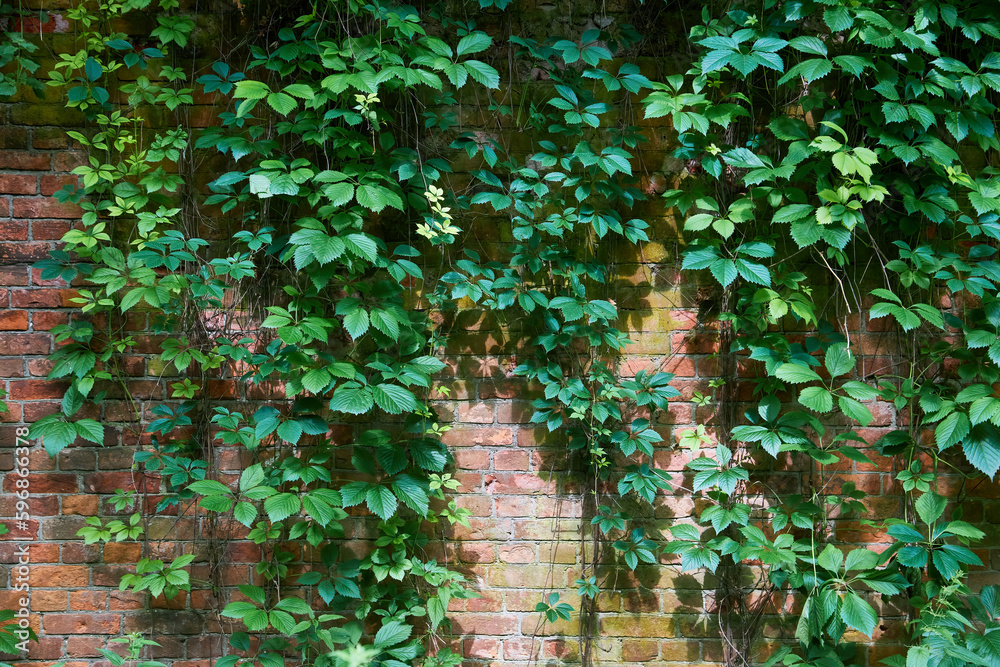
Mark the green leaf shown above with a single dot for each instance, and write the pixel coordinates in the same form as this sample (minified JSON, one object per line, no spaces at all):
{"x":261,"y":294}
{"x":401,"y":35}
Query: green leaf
{"x":209,"y":487}
{"x":482,"y":73}
{"x":810,"y":70}
{"x":858,"y":614}
{"x":816,"y":398}
{"x":473,"y":43}
{"x":316,"y":380}
{"x":92,"y":69}
{"x":282,"y":506}
{"x":90,"y":430}
{"x":251,"y":90}
{"x":951,"y":430}
{"x":372,"y":197}
{"x":362,"y":245}
{"x":861,"y":559}
{"x":290,"y":431}
{"x":294,"y":605}
{"x":352,"y":398}
{"x":839,"y":19}
{"x":808,"y":44}
{"x":830,"y":558}
{"x":859,"y":390}
{"x":794,"y":212}
{"x":245,"y":513}
{"x":55,"y":433}
{"x":394,"y":399}
{"x":745,"y":63}
{"x":796,"y":373}
{"x":392,"y":633}
{"x":982,"y":448}
{"x":380,"y":501}
{"x":930,"y":506}
{"x":754,"y":272}
{"x":838,"y":360}
{"x":300,"y":90}
{"x":854,"y":454}
{"x":409,"y":490}
{"x":855,"y":410}
{"x":356,"y":322}
{"x":282,"y":103}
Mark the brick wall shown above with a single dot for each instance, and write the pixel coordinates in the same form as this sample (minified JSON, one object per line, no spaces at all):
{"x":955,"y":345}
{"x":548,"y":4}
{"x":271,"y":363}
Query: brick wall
{"x":525,"y":493}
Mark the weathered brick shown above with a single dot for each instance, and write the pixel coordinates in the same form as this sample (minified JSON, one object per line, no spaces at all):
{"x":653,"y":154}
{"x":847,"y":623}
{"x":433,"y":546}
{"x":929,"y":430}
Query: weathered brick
{"x":19,"y":184}
{"x":26,"y":161}
{"x":13,"y":320}
{"x":27,"y":343}
{"x":44,"y":207}
{"x":59,"y":576}
{"x":82,"y":624}
{"x":24,"y":252}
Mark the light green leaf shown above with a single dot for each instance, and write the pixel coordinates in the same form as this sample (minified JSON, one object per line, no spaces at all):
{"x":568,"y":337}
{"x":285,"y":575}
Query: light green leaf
{"x":282,"y":103}
{"x":816,"y":398}
{"x":838,"y":360}
{"x":356,"y":322}
{"x":796,"y":373}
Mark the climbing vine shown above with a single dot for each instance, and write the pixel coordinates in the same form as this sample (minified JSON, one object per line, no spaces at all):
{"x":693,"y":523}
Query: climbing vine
{"x":846,"y":136}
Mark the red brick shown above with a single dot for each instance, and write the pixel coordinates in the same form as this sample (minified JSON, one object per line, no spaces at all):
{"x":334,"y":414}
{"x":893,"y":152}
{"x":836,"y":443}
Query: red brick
{"x":42,"y":600}
{"x":36,"y":389}
{"x":18,"y":184}
{"x":44,"y":321}
{"x":81,"y":624}
{"x":465,"y":436}
{"x":49,"y":230}
{"x":44,"y":483}
{"x":84,"y":505}
{"x":511,"y":460}
{"x":476,"y":412}
{"x":59,"y":576}
{"x":13,"y":320}
{"x":107,"y":482}
{"x":13,"y":275}
{"x":122,"y":552}
{"x":13,"y":230}
{"x":68,"y":161}
{"x":47,"y":138}
{"x":24,"y":252}
{"x":88,"y":600}
{"x":472,"y":459}
{"x":42,"y":298}
{"x":84,"y":647}
{"x":518,"y":553}
{"x":26,"y":161}
{"x":27,"y":343}
{"x":44,"y":207}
